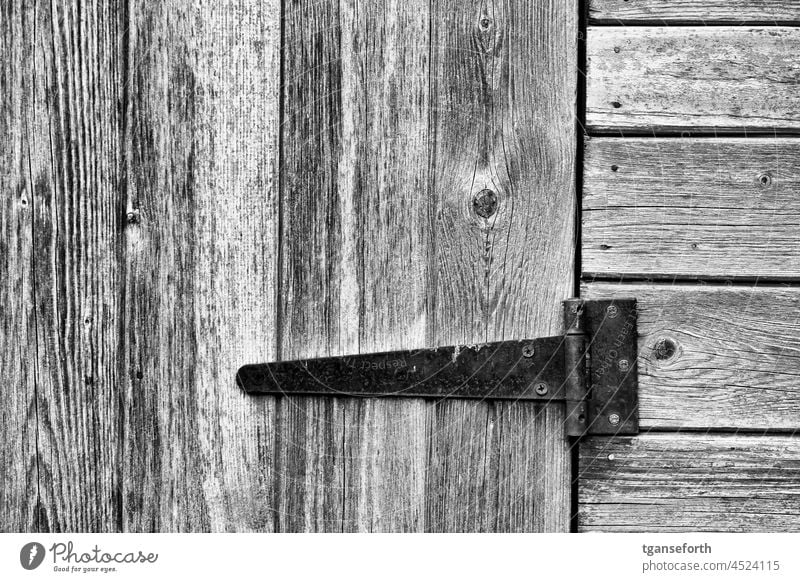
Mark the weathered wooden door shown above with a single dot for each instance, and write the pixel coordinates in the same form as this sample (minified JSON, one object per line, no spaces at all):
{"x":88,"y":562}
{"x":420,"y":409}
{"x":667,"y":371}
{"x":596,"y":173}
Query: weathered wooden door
{"x":189,"y":187}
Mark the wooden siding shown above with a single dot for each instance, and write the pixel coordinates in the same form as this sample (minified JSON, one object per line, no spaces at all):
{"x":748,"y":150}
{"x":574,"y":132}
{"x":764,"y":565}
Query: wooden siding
{"x":699,"y":11}
{"x":709,"y":79}
{"x":695,"y":482}
{"x":707,"y":224}
{"x":703,"y":208}
{"x":715,"y":356}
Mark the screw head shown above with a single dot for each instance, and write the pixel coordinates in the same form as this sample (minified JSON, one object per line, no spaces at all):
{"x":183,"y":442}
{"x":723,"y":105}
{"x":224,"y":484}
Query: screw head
{"x":541,"y":388}
{"x":612,"y":311}
{"x":613,"y":419}
{"x":624,"y":365}
{"x":528,"y":351}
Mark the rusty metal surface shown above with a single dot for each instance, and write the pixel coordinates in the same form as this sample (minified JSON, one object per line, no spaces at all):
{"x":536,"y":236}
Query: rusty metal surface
{"x":592,"y":367}
{"x":613,"y":379}
{"x":520,"y":369}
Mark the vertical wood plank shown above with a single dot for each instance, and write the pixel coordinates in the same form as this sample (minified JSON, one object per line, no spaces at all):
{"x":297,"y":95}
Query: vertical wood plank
{"x":394,"y":117}
{"x":200,"y":260}
{"x":73,"y":132}
{"x":354,"y":255}
{"x":386,"y":216}
{"x":18,"y":456}
{"x":503,"y":103}
{"x":308,"y":431}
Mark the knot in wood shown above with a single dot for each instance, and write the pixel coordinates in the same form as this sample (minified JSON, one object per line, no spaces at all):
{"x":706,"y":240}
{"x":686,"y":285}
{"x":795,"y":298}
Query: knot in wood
{"x":664,"y":349}
{"x":132,"y":217}
{"x":485,"y":203}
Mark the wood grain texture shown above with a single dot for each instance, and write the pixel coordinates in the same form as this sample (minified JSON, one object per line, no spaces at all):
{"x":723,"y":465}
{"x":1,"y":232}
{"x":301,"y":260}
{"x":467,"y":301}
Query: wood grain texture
{"x":200,"y":257}
{"x":684,"y":11}
{"x":353,"y":256}
{"x":503,"y":98}
{"x":394,"y":118}
{"x":150,"y":249}
{"x":724,"y":208}
{"x":736,"y":79}
{"x":683,"y":482}
{"x":72,"y":135}
{"x":732,"y":360}
{"x":18,"y":426}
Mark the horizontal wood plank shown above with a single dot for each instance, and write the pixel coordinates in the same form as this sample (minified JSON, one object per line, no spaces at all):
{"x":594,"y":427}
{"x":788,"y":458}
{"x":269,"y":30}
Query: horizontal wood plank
{"x":686,"y":482}
{"x":715,"y":356}
{"x":705,"y":207}
{"x":700,"y":11}
{"x":701,"y":78}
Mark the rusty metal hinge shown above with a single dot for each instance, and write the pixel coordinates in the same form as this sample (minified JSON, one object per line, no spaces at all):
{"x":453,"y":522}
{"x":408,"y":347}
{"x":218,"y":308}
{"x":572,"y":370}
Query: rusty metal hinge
{"x":591,"y":367}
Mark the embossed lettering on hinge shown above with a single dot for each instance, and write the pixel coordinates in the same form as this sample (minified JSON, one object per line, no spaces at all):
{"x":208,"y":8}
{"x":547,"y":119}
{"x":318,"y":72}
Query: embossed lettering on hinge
{"x":591,"y":367}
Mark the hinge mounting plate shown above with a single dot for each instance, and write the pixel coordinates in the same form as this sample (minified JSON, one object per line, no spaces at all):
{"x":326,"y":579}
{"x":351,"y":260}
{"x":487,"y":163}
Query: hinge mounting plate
{"x":591,"y":367}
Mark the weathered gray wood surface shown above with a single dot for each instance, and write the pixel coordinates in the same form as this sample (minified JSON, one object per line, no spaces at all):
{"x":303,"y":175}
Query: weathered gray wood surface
{"x":60,"y":381}
{"x":700,"y":11}
{"x":391,"y":126}
{"x":502,"y":119}
{"x":715,"y":356}
{"x":712,"y":356}
{"x":693,"y":78}
{"x":199,"y":262}
{"x":18,"y":429}
{"x":679,"y":482}
{"x":723,"y":208}
{"x":157,"y":239}
{"x":134,"y":327}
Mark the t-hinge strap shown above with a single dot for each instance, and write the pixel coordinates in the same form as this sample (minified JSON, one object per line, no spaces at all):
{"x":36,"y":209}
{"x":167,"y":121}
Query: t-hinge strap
{"x":591,"y":367}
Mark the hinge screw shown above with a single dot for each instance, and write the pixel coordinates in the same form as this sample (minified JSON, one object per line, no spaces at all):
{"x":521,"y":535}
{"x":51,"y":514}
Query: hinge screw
{"x":528,"y":351}
{"x":612,"y":311}
{"x":613,"y":419}
{"x":541,"y":388}
{"x":624,"y":365}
